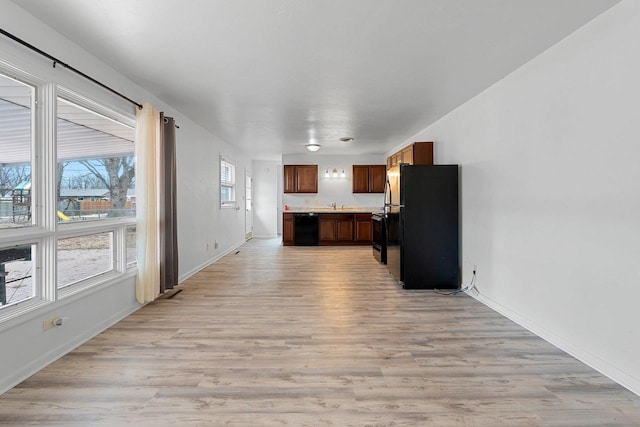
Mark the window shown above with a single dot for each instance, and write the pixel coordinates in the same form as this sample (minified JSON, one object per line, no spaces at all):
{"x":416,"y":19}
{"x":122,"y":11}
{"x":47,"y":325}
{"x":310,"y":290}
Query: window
{"x":95,"y":170}
{"x":247,"y":190}
{"x":67,"y":221}
{"x":16,"y":274}
{"x":16,"y":139}
{"x":84,"y":257}
{"x":96,"y":167}
{"x":227,"y":184}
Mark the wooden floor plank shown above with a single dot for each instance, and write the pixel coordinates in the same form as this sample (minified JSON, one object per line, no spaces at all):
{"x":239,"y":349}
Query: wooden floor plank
{"x":315,"y":336}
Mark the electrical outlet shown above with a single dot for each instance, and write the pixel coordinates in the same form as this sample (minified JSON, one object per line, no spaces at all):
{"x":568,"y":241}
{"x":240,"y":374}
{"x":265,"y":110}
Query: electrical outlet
{"x":208,"y":246}
{"x":215,"y":245}
{"x":49,"y":323}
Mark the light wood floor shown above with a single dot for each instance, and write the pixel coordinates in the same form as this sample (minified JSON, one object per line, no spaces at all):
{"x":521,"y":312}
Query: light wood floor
{"x":315,"y":336}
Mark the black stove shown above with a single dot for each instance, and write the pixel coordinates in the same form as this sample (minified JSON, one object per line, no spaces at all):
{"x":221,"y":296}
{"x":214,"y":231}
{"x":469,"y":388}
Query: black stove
{"x":379,"y":237}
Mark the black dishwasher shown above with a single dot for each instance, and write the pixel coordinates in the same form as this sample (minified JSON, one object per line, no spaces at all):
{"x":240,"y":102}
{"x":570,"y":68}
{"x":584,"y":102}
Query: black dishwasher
{"x":305,"y":229}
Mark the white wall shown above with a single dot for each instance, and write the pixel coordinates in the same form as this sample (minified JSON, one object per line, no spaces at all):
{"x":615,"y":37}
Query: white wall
{"x":331,"y":190}
{"x":551,"y":192}
{"x":265,"y":196}
{"x":24,"y":347}
{"x":201,"y":222}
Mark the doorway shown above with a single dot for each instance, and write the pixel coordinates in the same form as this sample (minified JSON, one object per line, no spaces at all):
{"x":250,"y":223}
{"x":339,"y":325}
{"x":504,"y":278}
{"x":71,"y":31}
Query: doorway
{"x":248,"y":206}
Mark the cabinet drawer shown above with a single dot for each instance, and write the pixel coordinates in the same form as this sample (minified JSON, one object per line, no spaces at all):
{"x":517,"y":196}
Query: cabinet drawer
{"x":336,"y":217}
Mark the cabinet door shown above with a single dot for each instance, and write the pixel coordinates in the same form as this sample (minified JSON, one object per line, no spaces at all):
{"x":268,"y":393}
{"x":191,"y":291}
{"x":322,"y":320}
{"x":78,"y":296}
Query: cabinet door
{"x":327,"y":230}
{"x":407,"y":155}
{"x":377,"y":178}
{"x":360,"y":179}
{"x":289,"y":179}
{"x":392,"y":160}
{"x":287,"y":231}
{"x":363,"y":230}
{"x":422,"y":153}
{"x":345,"y":230}
{"x":307,"y":179}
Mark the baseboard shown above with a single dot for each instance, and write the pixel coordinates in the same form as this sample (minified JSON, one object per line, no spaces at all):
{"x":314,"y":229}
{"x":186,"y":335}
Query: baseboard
{"x":51,"y":356}
{"x":183,"y":277}
{"x":625,"y":379}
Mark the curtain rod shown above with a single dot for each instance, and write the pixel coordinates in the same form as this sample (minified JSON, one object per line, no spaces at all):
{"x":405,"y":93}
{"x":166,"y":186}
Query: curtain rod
{"x":57,"y":61}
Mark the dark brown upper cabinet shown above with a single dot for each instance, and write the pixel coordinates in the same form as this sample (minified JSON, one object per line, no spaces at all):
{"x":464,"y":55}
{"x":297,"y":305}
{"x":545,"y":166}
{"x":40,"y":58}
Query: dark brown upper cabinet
{"x":418,"y":153}
{"x":300,"y":178}
{"x":368,"y":178}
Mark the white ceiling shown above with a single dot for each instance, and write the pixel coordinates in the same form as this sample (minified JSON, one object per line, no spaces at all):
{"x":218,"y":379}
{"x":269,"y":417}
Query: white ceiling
{"x":270,"y":75}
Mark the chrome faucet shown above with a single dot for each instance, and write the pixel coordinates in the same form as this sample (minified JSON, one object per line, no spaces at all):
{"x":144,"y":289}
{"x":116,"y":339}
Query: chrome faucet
{"x":333,"y":205}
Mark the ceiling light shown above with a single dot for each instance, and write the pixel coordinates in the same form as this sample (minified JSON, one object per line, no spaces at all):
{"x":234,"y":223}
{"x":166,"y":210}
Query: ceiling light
{"x":312,"y":146}
{"x":346,"y":139}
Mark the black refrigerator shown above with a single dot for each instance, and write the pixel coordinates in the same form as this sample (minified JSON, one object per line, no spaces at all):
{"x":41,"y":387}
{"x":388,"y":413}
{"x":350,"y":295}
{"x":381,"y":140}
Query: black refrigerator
{"x":421,"y":206}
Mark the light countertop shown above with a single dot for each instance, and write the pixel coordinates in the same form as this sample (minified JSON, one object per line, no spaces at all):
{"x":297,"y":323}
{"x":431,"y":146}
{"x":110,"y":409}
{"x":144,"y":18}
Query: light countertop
{"x":338,"y":209}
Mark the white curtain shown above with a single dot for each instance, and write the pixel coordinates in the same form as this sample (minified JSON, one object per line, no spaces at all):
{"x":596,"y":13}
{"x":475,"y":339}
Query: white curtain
{"x":148,"y":134}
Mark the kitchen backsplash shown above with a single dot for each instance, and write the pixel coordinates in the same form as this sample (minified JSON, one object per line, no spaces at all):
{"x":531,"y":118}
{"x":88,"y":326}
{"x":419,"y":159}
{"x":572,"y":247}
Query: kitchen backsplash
{"x":347,"y":200}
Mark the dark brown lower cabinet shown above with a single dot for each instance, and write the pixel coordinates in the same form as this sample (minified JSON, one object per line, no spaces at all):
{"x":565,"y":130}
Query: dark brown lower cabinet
{"x":327,"y":230}
{"x":336,"y":228}
{"x":287,"y":229}
{"x":363,"y":228}
{"x":345,"y":229}
{"x":333,"y":229}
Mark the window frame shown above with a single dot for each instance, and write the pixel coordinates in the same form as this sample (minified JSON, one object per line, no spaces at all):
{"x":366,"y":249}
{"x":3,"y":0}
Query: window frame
{"x":228,"y":204}
{"x":39,"y":231}
{"x":45,"y":230}
{"x":100,"y":110}
{"x":117,"y":226}
{"x":37,"y":96}
{"x":34,"y":275}
{"x":119,"y":266}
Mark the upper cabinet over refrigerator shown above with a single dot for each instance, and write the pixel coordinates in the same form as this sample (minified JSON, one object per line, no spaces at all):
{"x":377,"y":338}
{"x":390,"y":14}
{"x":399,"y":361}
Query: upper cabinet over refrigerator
{"x":417,"y":153}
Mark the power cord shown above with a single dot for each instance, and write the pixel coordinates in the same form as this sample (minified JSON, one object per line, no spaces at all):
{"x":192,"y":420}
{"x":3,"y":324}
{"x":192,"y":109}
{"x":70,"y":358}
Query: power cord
{"x":470,"y":287}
